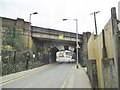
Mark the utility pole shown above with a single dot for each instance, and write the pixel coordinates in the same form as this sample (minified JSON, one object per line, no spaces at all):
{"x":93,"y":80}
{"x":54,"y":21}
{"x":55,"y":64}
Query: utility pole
{"x":95,"y":20}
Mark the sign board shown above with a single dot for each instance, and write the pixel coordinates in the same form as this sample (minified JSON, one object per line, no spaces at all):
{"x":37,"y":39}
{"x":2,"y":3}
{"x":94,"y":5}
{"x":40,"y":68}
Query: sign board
{"x":61,"y":37}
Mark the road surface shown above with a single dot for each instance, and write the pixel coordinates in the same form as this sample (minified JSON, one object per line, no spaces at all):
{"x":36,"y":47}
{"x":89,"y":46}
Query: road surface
{"x":56,"y":76}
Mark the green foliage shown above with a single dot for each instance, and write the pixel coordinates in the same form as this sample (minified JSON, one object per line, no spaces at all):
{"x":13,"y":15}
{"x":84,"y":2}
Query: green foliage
{"x":13,"y":38}
{"x":7,"y":48}
{"x":8,"y":37}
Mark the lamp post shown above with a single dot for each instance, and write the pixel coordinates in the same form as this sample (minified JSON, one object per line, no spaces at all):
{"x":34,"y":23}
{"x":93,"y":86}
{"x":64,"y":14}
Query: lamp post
{"x":77,"y":46}
{"x":95,"y":20}
{"x":30,"y":26}
{"x":28,"y":54}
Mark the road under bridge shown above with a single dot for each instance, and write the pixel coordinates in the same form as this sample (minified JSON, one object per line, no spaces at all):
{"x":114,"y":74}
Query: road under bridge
{"x":49,"y":76}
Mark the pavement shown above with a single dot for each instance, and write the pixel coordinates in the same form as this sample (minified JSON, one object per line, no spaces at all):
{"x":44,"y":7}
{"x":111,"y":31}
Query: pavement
{"x":79,"y":79}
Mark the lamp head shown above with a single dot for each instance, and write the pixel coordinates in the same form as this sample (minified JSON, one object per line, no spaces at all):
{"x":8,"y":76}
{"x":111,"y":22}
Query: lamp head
{"x":91,"y":13}
{"x":97,"y":12}
{"x":35,"y":13}
{"x":64,"y":19}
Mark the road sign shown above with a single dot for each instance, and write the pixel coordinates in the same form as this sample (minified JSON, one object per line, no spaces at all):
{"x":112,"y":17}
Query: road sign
{"x":61,"y":37}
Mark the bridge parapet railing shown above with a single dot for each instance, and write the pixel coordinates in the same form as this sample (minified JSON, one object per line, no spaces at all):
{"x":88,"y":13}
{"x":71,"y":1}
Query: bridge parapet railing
{"x":53,"y":34}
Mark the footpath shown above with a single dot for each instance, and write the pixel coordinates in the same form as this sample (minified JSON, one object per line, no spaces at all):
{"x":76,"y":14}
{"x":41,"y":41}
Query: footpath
{"x":78,"y":79}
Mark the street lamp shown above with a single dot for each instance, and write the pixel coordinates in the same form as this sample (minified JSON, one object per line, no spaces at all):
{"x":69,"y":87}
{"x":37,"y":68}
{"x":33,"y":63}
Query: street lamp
{"x":29,"y":29}
{"x":95,"y":20}
{"x":77,"y":46}
{"x":30,"y":26}
{"x":30,"y":16}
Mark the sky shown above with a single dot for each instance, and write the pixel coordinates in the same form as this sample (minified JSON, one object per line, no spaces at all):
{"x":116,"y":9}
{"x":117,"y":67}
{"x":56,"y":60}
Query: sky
{"x":52,"y":12}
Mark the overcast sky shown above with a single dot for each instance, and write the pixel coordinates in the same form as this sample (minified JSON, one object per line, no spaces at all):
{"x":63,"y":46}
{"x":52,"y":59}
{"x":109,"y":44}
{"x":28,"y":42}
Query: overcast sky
{"x":51,"y":13}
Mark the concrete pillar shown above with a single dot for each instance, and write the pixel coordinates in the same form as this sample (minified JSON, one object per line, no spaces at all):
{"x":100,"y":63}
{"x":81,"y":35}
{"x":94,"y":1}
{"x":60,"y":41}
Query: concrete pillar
{"x":0,"y":50}
{"x":84,"y":48}
{"x":115,"y":43}
{"x":119,"y":59}
{"x":116,"y":52}
{"x":0,"y":36}
{"x":114,"y":21}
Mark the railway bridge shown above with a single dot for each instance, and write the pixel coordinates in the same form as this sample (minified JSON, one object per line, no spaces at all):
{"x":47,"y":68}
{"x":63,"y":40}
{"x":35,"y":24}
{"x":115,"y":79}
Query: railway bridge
{"x":42,"y":43}
{"x":51,"y":41}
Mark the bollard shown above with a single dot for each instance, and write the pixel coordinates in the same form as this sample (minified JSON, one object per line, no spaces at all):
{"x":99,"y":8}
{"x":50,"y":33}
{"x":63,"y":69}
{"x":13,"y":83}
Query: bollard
{"x":77,"y":66}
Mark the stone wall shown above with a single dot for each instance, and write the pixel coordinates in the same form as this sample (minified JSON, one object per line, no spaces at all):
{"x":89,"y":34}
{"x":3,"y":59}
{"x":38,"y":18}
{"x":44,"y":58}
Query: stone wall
{"x":119,"y":60}
{"x":92,"y":73}
{"x":17,"y":61}
{"x":84,"y":48}
{"x":15,"y":55}
{"x":109,"y":73}
{"x":18,"y":23}
{"x":0,"y":46}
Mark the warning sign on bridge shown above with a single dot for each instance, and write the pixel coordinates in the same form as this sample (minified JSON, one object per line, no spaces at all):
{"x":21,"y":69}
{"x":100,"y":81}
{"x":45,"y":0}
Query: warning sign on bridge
{"x":61,"y":37}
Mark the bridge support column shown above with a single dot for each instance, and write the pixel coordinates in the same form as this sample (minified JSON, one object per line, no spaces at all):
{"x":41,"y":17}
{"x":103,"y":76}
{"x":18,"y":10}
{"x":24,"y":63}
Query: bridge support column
{"x":84,"y":48}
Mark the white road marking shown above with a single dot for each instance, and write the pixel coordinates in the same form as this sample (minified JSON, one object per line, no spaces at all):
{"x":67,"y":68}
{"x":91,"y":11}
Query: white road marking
{"x":67,"y":79}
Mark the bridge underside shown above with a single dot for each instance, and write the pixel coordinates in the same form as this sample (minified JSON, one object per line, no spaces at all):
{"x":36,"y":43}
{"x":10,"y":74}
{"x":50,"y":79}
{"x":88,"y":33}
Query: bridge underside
{"x":47,"y":48}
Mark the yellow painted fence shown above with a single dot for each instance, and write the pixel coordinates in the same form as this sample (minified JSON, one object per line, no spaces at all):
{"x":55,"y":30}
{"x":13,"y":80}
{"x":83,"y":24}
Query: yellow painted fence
{"x":95,"y":49}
